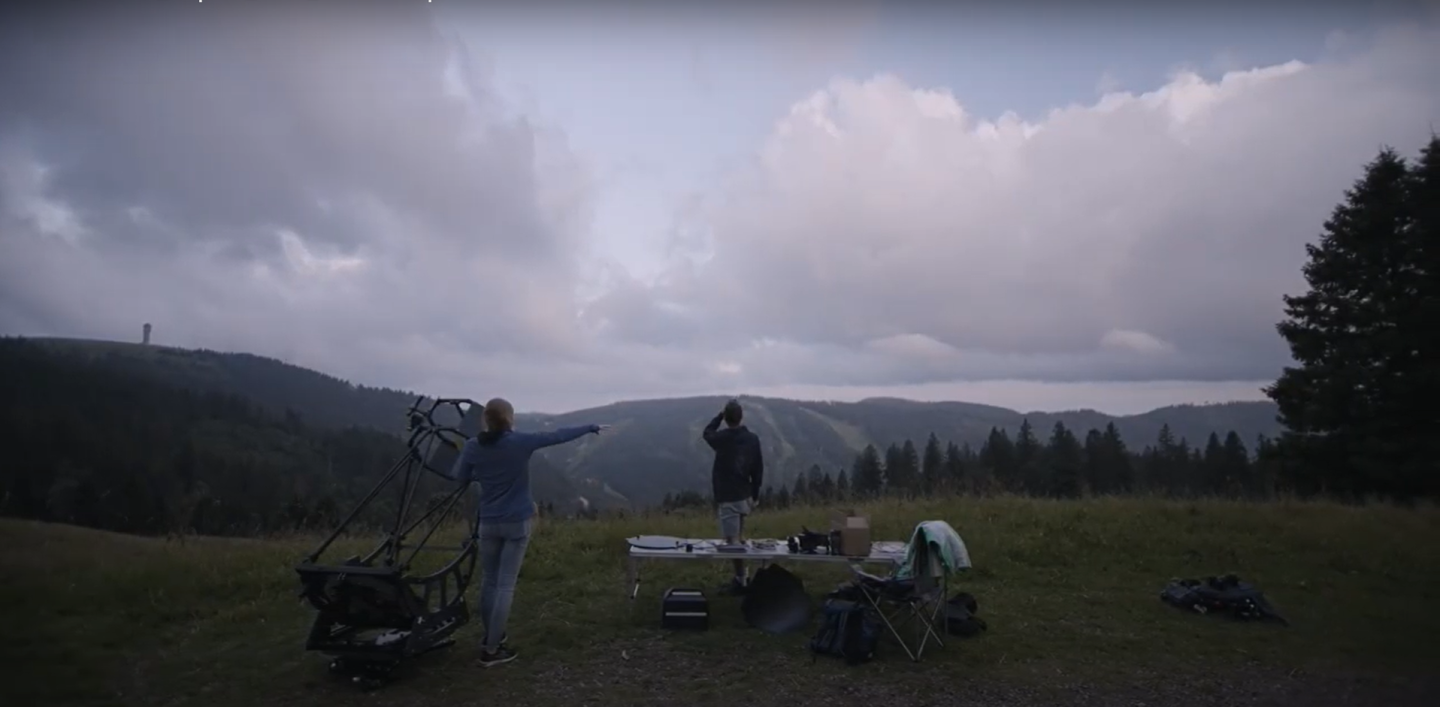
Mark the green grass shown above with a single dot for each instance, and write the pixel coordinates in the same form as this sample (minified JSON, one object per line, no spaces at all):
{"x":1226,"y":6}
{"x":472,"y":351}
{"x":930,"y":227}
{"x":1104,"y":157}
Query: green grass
{"x":1068,"y":588}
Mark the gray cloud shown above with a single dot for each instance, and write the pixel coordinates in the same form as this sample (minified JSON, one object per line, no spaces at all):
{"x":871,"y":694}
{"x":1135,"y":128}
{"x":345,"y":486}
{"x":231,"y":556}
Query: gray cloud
{"x":347,"y":191}
{"x":1146,"y":236}
{"x":316,"y":181}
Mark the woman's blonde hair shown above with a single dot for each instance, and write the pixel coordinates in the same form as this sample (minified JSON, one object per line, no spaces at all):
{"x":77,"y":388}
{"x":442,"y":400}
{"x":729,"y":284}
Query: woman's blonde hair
{"x":499,"y":415}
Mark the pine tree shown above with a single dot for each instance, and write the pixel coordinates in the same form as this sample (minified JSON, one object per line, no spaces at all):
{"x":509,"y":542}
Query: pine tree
{"x":867,"y":475}
{"x":842,"y":486}
{"x":1064,"y":458}
{"x":932,"y":468}
{"x":954,"y":469}
{"x":1236,"y":478}
{"x":1361,"y":339}
{"x":997,"y":459}
{"x":801,"y":495}
{"x":1213,"y":464}
{"x":1027,"y":460}
{"x":815,"y":483}
{"x":894,"y":470}
{"x":1092,"y":476}
{"x":909,"y":469}
{"x":1119,"y":467}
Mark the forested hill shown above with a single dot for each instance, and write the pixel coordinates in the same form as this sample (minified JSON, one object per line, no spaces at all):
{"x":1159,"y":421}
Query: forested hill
{"x":99,"y":435}
{"x":276,"y":386}
{"x":655,"y":448}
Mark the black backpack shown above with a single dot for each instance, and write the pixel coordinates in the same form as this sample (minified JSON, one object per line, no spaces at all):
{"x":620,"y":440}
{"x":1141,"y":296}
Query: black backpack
{"x":960,"y":615}
{"x":848,"y":630}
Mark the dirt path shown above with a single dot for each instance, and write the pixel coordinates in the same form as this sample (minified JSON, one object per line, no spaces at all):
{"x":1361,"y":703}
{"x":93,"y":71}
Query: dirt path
{"x":652,"y":673}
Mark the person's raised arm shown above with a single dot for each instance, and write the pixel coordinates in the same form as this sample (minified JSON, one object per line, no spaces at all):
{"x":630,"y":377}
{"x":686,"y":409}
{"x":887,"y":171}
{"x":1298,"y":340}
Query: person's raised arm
{"x":757,"y":471}
{"x":540,"y":440}
{"x":708,"y":434}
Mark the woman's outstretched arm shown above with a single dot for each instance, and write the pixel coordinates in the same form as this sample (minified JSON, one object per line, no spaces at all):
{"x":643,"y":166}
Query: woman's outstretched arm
{"x":540,"y":440}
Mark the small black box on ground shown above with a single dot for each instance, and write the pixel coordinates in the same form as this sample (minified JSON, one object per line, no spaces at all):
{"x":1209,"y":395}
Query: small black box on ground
{"x":684,"y":609}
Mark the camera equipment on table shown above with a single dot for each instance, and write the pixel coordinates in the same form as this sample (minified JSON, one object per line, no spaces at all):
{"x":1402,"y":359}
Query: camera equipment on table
{"x":809,"y":542}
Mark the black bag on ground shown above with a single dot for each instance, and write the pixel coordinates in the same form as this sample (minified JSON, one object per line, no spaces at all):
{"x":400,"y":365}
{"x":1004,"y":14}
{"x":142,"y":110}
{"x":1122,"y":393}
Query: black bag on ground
{"x":776,"y":601}
{"x":1225,"y":595}
{"x":848,"y":630}
{"x":960,"y":618}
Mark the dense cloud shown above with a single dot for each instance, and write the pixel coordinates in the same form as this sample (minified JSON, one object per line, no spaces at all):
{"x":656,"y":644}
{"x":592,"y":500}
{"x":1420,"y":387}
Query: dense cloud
{"x":347,"y":191}
{"x":338,"y":187}
{"x":885,"y":235}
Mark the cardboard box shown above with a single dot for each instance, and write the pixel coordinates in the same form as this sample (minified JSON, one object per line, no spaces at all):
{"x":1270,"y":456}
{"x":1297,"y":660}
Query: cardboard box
{"x":854,"y":532}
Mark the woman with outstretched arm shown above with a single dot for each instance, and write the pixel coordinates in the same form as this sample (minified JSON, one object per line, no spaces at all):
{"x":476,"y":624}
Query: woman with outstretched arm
{"x":498,"y":459}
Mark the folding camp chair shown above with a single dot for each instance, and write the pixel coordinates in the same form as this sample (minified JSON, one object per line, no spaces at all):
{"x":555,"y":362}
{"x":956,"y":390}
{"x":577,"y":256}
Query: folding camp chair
{"x":913,"y":597}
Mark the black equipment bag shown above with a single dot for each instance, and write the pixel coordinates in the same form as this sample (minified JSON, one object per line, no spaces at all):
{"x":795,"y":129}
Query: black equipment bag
{"x":848,"y":630}
{"x":960,"y":615}
{"x":1225,"y":595}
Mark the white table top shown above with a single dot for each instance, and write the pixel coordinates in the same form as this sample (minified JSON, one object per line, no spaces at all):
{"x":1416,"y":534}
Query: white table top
{"x":666,"y":547}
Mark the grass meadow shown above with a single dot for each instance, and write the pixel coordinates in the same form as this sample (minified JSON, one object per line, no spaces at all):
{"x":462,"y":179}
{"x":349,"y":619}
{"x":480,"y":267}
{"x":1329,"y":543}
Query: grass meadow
{"x":1069,"y":590}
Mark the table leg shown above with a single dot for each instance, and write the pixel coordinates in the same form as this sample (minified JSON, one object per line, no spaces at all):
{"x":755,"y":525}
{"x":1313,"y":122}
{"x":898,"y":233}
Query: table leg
{"x":632,"y":578}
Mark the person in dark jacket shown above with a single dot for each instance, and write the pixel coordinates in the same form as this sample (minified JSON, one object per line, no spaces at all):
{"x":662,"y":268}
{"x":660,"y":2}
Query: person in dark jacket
{"x":735,"y":477}
{"x":498,"y":461}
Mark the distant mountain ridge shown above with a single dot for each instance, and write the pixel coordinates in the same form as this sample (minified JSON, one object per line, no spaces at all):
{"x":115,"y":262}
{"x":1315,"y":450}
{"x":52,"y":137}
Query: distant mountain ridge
{"x":654,"y":447}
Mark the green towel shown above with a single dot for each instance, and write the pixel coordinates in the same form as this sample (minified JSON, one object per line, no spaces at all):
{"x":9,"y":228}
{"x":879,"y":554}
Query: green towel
{"x":953,"y":554}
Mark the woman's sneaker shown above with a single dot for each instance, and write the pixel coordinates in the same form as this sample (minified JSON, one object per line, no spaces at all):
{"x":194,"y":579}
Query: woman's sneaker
{"x":501,"y":655}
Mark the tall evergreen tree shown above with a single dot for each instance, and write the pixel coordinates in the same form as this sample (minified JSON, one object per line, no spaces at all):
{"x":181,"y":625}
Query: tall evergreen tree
{"x":997,"y":458}
{"x":1064,"y":458}
{"x":815,"y":482}
{"x":1027,"y":460}
{"x":932,"y":467}
{"x":1212,"y":463}
{"x":1236,"y":478}
{"x":909,"y":470}
{"x":954,"y":469}
{"x":867,"y":474}
{"x":1092,"y":475}
{"x":1365,"y":361}
{"x":894,"y":470}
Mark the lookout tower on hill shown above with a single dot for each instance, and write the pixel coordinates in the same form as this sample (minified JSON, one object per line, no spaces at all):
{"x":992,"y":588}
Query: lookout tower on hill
{"x":146,"y":337}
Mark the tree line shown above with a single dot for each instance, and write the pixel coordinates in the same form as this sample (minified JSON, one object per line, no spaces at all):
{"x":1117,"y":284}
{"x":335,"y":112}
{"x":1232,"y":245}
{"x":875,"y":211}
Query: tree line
{"x":1058,"y":466}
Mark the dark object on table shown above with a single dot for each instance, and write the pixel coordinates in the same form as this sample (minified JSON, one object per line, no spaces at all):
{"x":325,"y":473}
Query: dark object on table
{"x":371,"y":611}
{"x":776,"y":602}
{"x":685,"y":609}
{"x":1225,"y":595}
{"x":809,"y":541}
{"x":960,"y":615}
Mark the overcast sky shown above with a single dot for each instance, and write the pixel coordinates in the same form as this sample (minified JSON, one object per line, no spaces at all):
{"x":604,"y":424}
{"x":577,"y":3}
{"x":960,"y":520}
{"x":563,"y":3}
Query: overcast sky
{"x":1045,"y":209}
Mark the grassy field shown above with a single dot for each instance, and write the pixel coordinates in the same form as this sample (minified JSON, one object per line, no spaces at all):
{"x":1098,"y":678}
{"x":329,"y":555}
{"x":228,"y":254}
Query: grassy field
{"x":1070,"y":591}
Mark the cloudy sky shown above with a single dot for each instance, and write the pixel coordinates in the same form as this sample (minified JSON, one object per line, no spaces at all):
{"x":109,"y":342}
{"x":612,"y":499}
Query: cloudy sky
{"x":1042,"y":208}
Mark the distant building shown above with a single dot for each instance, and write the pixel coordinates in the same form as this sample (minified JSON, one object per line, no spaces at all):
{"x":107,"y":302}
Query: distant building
{"x":146,"y":340}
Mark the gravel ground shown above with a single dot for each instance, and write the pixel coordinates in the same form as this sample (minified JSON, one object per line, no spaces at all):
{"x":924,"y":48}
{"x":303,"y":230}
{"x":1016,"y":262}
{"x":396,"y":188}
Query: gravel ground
{"x":652,"y":673}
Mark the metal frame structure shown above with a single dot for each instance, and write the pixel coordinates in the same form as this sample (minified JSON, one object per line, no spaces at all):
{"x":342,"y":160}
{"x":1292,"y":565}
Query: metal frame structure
{"x":372,"y":614}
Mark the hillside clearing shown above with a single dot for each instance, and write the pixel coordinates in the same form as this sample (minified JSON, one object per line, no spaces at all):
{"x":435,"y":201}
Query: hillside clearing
{"x":1069,"y":590}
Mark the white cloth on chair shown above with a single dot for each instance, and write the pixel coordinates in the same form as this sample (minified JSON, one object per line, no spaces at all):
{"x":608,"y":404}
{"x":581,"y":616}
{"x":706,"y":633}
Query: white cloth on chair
{"x":952,"y":555}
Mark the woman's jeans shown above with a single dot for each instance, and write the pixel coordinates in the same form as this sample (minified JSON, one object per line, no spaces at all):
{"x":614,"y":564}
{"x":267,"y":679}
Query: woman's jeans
{"x":502,"y":549}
